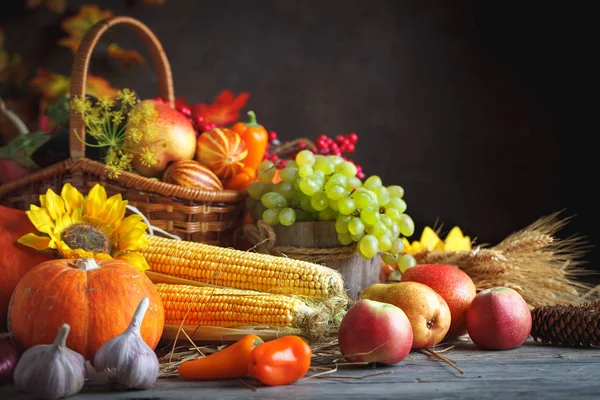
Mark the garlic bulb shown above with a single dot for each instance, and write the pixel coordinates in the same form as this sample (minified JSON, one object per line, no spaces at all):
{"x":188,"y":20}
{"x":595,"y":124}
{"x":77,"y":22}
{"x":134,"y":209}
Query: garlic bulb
{"x":51,"y":371}
{"x":127,"y":359}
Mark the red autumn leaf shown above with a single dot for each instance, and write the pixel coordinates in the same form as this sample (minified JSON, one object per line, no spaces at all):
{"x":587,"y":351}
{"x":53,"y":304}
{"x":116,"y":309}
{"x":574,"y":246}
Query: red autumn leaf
{"x":225,"y":109}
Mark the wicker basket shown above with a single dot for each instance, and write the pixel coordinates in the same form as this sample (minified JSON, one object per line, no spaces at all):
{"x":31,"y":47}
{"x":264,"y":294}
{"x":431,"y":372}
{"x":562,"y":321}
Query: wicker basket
{"x":195,"y":215}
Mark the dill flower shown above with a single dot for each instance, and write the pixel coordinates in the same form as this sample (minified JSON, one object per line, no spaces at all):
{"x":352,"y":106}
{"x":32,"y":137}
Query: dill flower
{"x":105,"y":122}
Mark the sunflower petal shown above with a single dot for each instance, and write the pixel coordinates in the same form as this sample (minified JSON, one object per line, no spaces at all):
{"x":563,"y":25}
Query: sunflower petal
{"x":114,"y":210}
{"x":72,"y":198}
{"x":102,"y":256}
{"x":55,"y":205}
{"x":63,"y":223}
{"x":35,"y":241}
{"x":133,"y":221}
{"x":95,"y":200}
{"x":132,"y":240}
{"x":135,"y":259}
{"x":40,"y":218}
{"x":77,"y":215}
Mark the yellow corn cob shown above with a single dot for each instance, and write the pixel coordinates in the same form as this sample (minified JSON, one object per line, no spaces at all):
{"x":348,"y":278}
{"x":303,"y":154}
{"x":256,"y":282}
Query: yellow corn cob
{"x":193,"y":308}
{"x":229,"y":307}
{"x":238,"y":269}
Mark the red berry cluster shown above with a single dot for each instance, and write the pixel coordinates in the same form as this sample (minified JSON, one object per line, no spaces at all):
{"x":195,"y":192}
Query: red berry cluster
{"x":324,"y":146}
{"x":341,"y":144}
{"x":198,"y":122}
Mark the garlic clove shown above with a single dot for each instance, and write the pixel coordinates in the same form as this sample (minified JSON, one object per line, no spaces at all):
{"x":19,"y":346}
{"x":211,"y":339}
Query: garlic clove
{"x":126,"y":359}
{"x":51,"y":371}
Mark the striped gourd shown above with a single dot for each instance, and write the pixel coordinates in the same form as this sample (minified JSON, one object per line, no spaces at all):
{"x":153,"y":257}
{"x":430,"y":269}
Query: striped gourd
{"x":201,"y":264}
{"x":190,"y":173}
{"x":222,"y":150}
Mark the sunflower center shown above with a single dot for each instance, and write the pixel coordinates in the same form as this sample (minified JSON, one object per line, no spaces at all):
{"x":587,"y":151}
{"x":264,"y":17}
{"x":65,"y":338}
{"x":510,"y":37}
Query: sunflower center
{"x":86,"y":237}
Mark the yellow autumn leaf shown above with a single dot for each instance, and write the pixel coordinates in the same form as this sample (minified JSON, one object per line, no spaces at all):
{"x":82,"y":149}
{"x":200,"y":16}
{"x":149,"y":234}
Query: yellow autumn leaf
{"x":127,"y":58}
{"x":77,"y":25}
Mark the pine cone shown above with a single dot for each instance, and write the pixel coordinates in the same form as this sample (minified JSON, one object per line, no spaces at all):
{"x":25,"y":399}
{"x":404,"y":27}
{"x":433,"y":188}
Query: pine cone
{"x":567,"y":325}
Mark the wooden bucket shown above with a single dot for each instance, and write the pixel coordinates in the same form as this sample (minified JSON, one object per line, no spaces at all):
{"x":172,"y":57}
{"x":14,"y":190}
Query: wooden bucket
{"x":357,"y":272}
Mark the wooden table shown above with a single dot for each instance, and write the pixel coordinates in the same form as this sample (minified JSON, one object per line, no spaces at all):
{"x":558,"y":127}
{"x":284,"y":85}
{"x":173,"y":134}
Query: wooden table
{"x":529,"y":372}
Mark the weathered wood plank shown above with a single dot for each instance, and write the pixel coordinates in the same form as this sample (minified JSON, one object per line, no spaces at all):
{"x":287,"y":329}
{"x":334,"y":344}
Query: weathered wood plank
{"x":531,"y":371}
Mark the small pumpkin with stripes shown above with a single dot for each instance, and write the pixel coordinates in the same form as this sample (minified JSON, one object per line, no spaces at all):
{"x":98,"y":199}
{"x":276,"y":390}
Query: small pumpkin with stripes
{"x":222,"y":150}
{"x":192,"y":174}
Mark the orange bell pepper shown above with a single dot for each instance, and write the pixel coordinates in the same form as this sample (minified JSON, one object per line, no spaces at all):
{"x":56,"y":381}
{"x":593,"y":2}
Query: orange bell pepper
{"x":241,"y":180}
{"x":280,"y":361}
{"x":256,"y":138}
{"x":231,"y":362}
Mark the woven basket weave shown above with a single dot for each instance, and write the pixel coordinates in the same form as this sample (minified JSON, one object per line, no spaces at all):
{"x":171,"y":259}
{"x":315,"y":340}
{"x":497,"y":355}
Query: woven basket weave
{"x":196,"y":215}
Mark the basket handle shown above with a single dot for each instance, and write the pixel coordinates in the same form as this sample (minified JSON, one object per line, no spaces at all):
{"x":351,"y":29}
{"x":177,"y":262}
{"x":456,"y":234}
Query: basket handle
{"x":81,"y":64}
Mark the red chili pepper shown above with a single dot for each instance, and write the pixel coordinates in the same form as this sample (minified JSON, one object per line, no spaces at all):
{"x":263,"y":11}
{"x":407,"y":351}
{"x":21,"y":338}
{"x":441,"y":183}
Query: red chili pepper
{"x":280,"y":361}
{"x":256,"y":138}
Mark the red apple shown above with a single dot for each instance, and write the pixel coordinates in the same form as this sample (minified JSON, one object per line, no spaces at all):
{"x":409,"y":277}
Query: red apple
{"x":372,"y":331}
{"x":453,"y":284}
{"x":426,"y":310}
{"x":499,"y":319}
{"x":170,"y":136}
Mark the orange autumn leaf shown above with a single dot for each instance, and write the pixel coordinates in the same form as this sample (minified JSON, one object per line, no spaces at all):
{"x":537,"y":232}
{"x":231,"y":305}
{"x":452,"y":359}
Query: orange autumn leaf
{"x":57,"y":6}
{"x":52,"y":85}
{"x":99,"y":87}
{"x":127,"y":58}
{"x":77,"y":25}
{"x":224,"y":110}
{"x":49,"y":84}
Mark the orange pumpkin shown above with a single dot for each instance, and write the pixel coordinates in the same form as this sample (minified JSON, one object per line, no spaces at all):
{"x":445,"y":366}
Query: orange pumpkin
{"x":15,"y":259}
{"x":222,"y":151}
{"x":97,"y":298}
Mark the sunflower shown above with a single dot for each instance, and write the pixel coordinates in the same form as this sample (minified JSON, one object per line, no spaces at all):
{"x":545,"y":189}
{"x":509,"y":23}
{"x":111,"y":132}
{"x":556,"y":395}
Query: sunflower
{"x":93,"y":226}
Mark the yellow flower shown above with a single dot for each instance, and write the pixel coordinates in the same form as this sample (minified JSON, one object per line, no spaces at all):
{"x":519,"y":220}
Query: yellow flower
{"x":455,"y":241}
{"x":92,"y":226}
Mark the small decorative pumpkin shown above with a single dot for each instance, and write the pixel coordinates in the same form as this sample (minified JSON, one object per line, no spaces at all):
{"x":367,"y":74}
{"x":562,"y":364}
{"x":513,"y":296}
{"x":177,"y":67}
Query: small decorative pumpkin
{"x":222,"y":150}
{"x":97,"y":298}
{"x":15,"y":259}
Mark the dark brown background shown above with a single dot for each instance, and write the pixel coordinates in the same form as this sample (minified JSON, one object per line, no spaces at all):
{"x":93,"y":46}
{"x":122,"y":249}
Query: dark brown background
{"x":483,"y":111}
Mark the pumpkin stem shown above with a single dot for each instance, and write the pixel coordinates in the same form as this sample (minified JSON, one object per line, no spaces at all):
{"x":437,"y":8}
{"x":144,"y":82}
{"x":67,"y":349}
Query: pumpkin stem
{"x":138,"y":316}
{"x":60,"y":340}
{"x":86,"y":264}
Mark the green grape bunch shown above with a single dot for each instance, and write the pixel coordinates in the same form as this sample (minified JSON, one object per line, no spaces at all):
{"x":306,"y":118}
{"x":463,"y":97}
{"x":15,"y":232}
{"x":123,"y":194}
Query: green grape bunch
{"x":325,"y":188}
